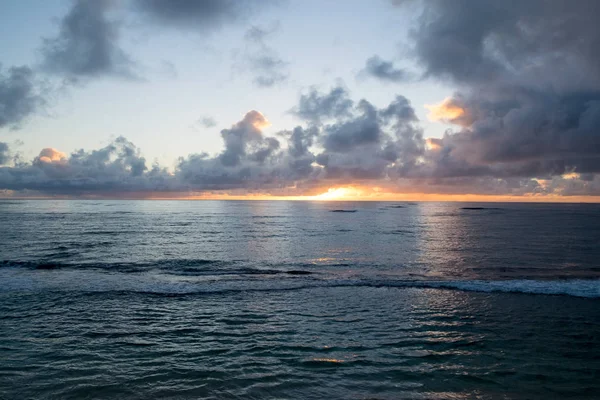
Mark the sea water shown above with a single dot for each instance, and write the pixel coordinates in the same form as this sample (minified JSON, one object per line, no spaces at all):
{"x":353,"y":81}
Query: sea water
{"x":307,"y":300}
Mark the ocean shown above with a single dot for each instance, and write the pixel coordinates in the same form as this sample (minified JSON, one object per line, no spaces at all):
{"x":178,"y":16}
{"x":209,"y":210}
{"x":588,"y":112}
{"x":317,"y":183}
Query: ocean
{"x":298,"y":300}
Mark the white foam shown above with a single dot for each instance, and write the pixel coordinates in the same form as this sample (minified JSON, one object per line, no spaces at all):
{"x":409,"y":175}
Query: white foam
{"x":577,"y":287}
{"x":65,"y":280}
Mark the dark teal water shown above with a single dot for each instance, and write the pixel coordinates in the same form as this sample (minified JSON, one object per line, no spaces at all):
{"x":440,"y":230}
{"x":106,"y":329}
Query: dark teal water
{"x":149,"y":299}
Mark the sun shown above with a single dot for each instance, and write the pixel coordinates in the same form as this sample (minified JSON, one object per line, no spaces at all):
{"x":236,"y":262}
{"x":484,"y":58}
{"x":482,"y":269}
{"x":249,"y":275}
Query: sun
{"x":337,"y":194}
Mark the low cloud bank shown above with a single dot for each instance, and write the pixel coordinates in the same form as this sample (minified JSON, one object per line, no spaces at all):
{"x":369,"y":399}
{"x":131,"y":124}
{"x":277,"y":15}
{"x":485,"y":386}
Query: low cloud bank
{"x":340,"y":142}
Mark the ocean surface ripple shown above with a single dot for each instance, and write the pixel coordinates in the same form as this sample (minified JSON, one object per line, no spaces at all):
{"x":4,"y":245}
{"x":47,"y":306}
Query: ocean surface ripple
{"x":226,"y":299}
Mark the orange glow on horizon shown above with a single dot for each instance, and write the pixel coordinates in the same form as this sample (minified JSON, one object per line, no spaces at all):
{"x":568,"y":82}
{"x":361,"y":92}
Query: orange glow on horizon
{"x":337,"y":194}
{"x":356,"y":193}
{"x":344,"y":193}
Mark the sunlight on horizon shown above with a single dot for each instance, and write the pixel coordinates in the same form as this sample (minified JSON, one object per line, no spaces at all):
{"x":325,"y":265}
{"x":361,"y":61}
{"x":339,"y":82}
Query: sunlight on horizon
{"x":338,"y":194}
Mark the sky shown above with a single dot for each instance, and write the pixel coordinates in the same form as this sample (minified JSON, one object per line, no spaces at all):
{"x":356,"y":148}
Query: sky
{"x":289,"y":99}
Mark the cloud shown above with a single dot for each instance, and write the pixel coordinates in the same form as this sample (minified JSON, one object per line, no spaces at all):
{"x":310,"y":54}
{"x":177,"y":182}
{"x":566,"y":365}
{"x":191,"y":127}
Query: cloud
{"x":314,"y":106}
{"x":237,"y":139}
{"x":449,"y":110}
{"x":363,"y":142}
{"x":534,"y":133}
{"x":87,"y":44}
{"x":525,"y":108}
{"x":257,"y":58}
{"x":202,"y":15}
{"x":20,"y":96}
{"x":346,"y":143}
{"x":4,"y":153}
{"x":475,"y":42}
{"x":50,"y":155}
{"x":250,"y":160}
{"x":207,"y":122}
{"x":269,"y":69}
{"x":261,"y":60}
{"x":359,"y":141}
{"x":383,"y":70}
{"x":361,"y":130}
{"x":115,"y":169}
{"x":528,"y":97}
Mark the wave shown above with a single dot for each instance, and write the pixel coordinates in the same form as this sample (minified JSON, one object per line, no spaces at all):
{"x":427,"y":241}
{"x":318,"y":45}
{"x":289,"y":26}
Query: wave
{"x":244,"y":279}
{"x":589,"y":288}
{"x":480,"y":208}
{"x":275,"y":276}
{"x":181,"y":267}
{"x":242,"y":271}
{"x":573,"y":288}
{"x":576,"y":288}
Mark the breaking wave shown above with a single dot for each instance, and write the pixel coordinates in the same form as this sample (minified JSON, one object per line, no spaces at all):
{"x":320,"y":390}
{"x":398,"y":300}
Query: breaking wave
{"x":213,"y":276}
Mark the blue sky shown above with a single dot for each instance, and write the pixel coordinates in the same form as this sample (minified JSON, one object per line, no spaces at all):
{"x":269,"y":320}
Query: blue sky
{"x":187,"y":75}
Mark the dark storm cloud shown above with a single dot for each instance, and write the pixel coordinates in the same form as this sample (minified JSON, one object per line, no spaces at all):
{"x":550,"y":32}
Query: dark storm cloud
{"x":531,"y":44}
{"x":528,"y":75}
{"x":532,"y":127}
{"x":87,"y":44}
{"x":472,"y":41}
{"x":199,"y":14}
{"x":19,"y":96}
{"x":384,"y":70}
